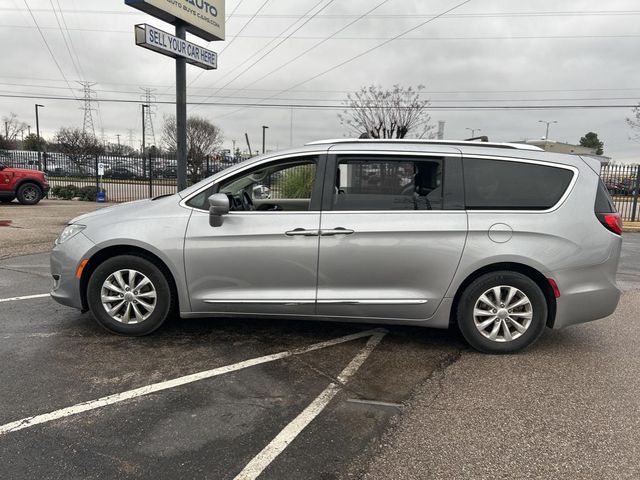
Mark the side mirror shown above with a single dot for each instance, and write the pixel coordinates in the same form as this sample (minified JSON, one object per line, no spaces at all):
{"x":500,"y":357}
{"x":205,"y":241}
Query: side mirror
{"x":218,"y":206}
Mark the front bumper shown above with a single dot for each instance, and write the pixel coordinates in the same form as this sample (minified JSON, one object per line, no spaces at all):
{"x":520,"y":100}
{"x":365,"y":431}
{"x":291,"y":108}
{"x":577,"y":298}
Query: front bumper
{"x":65,"y":259}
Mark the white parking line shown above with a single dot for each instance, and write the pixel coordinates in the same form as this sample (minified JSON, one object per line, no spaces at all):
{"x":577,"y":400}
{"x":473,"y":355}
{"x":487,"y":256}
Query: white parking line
{"x":261,"y":461}
{"x":176,"y":382}
{"x":27,"y":297}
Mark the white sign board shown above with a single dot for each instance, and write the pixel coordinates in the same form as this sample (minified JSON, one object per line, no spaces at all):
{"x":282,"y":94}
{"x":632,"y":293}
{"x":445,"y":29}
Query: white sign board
{"x":101,"y":169}
{"x":204,"y":18}
{"x":167,"y":44}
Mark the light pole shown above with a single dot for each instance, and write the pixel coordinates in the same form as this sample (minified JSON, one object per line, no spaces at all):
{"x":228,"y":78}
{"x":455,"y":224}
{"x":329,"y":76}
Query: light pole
{"x":264,"y":129}
{"x":38,"y":136}
{"x":546,"y":135}
{"x":473,"y":131}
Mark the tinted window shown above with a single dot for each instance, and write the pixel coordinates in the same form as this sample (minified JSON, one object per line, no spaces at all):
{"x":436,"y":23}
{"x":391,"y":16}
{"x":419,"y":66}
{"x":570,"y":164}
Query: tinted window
{"x":389,"y":184}
{"x":507,"y":185}
{"x":604,"y":203}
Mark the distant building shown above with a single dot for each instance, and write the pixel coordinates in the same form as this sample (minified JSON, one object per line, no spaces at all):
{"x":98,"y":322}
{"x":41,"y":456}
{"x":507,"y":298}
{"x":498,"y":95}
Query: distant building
{"x":560,"y":147}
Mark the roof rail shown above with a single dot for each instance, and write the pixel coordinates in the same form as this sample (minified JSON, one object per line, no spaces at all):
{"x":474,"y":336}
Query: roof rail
{"x":461,"y":143}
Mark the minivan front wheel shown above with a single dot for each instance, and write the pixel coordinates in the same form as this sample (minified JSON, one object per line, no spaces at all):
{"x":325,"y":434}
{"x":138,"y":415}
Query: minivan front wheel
{"x":129,"y":295}
{"x":502,"y":312}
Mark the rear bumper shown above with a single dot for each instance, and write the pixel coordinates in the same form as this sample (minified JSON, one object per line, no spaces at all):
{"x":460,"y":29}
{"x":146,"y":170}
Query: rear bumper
{"x":588,"y":293}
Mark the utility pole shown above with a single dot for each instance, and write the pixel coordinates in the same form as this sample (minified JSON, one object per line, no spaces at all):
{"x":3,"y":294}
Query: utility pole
{"x":181,"y":110}
{"x":246,"y":136}
{"x":6,"y":131}
{"x":546,"y":135}
{"x":264,"y":129}
{"x":118,"y":136}
{"x":38,"y":136}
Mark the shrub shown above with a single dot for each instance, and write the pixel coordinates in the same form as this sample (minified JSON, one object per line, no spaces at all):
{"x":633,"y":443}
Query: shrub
{"x":68,"y":192}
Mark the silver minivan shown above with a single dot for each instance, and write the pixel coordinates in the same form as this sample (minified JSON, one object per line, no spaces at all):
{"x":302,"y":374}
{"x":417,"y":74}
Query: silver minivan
{"x":498,"y":239}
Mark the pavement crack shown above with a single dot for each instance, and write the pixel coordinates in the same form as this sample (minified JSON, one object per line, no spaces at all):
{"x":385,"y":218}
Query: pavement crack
{"x":328,"y":376}
{"x":439,"y":373}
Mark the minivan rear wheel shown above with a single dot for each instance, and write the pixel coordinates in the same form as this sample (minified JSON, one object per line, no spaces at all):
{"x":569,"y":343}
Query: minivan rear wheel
{"x":502,"y":312}
{"x":129,"y":295}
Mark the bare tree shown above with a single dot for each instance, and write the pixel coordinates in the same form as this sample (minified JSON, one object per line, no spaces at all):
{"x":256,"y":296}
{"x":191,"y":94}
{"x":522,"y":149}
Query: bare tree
{"x":634,"y":122}
{"x":79,"y":147}
{"x":11,"y":128}
{"x":203,"y":140}
{"x":378,"y":113}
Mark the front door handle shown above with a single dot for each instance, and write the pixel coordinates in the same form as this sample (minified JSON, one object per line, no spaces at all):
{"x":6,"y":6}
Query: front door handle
{"x":301,"y":232}
{"x":336,"y":231}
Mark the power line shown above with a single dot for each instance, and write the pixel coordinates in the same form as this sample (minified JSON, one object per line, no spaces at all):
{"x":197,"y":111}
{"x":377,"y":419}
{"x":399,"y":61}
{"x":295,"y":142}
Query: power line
{"x":367,"y":37}
{"x":324,"y":40}
{"x":53,"y":57}
{"x":279,"y":43}
{"x":563,"y":13}
{"x":73,"y":48}
{"x":266,"y":46}
{"x":64,"y":38}
{"x":235,"y":36}
{"x":343,"y":107}
{"x":369,"y":50}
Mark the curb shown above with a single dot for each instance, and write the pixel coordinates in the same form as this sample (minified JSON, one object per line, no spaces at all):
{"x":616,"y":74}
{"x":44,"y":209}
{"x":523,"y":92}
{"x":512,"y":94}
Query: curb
{"x":631,"y":227}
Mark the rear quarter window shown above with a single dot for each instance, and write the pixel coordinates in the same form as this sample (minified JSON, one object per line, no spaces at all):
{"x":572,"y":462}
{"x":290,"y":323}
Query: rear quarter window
{"x":513,"y":185}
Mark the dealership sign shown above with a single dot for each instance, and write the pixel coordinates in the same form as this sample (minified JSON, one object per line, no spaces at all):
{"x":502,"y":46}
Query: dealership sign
{"x":162,"y":42}
{"x":204,"y":18}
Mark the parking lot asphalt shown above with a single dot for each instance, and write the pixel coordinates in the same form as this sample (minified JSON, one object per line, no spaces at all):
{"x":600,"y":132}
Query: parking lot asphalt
{"x":419,"y":404}
{"x":26,"y":229}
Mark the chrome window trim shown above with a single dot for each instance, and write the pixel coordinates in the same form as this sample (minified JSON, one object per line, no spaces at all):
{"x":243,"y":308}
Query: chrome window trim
{"x":563,"y":198}
{"x":183,"y":202}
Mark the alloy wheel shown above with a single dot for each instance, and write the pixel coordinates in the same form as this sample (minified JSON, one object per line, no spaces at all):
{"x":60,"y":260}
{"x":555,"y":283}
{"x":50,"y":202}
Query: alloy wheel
{"x":503,"y":313}
{"x":128,"y":296}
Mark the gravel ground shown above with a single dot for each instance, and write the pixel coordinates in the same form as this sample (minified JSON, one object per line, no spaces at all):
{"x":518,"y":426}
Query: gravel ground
{"x":32,"y":229}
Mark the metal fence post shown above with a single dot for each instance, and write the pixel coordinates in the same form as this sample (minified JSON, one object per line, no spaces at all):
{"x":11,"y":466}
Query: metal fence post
{"x":634,"y":209}
{"x":97,"y":177}
{"x":150,"y":177}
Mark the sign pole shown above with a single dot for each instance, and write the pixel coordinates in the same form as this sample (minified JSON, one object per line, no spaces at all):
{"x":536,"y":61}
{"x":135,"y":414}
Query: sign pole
{"x":181,"y":110}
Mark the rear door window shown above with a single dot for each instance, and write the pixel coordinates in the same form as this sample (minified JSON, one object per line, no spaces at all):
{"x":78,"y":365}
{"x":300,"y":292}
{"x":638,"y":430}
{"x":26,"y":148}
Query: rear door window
{"x":388,"y":184}
{"x":513,"y":185}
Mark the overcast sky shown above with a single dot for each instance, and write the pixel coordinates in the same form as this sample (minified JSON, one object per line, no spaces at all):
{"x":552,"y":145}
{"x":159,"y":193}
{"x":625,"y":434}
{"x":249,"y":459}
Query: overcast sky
{"x":483,"y":53}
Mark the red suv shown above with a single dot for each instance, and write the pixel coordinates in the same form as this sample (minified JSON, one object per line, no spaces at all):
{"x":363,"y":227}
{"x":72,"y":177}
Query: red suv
{"x":28,"y":186}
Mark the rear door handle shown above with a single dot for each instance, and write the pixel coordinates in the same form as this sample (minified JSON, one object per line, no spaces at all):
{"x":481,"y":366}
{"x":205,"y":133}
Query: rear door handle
{"x":336,"y":231}
{"x":301,"y":232}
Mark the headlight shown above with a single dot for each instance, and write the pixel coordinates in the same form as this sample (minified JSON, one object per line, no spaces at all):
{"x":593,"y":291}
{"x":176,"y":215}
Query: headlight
{"x":69,"y":231}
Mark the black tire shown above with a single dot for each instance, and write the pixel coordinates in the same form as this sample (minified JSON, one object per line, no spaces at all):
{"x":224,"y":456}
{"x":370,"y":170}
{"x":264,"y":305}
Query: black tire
{"x":472,"y":294}
{"x":29,"y":194}
{"x":165,"y":299}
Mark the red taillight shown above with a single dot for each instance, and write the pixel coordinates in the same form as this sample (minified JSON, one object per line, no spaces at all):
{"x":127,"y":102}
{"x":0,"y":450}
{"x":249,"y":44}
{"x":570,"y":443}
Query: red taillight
{"x":613,"y":222}
{"x":554,"y":286}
